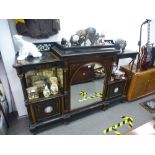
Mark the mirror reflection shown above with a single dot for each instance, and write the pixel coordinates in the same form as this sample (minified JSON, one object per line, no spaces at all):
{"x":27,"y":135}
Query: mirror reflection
{"x":87,"y":85}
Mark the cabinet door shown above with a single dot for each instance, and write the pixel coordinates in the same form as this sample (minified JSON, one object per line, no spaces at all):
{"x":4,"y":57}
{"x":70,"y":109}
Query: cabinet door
{"x":116,"y":89}
{"x":47,"y":109}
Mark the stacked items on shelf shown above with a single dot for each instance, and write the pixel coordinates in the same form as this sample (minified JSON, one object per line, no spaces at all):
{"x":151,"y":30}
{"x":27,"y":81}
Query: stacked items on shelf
{"x":44,"y":83}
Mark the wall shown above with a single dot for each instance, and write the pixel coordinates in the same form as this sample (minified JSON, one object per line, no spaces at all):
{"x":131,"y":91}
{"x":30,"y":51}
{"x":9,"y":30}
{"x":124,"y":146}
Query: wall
{"x":6,"y":85}
{"x":115,"y":28}
{"x":127,"y":29}
{"x":8,"y":56}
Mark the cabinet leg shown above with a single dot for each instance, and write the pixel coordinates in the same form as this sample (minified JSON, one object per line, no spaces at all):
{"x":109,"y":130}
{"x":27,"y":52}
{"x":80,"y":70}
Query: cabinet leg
{"x":33,"y":131}
{"x":105,"y":108}
{"x":66,"y":119}
{"x":122,"y":102}
{"x":66,"y":122}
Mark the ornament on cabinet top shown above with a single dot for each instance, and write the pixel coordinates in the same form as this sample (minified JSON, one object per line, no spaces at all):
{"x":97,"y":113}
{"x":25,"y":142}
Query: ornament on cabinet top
{"x":74,"y":40}
{"x":25,"y":48}
{"x":120,"y":44}
{"x":85,"y":37}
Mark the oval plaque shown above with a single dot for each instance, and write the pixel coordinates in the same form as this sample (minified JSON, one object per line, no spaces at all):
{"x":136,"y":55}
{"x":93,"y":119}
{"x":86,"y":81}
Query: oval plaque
{"x":116,"y":90}
{"x":48,"y":109}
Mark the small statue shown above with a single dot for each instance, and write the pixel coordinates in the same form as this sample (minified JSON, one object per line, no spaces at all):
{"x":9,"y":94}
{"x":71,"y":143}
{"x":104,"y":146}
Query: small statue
{"x":64,"y":42}
{"x":82,"y":36}
{"x":101,"y":39}
{"x":91,"y":35}
{"x":54,"y":89}
{"x":86,"y":37}
{"x":82,"y":40}
{"x":97,"y":36}
{"x":25,"y":48}
{"x":54,"y":85}
{"x":74,"y":40}
{"x":46,"y":91}
{"x":81,"y":33}
{"x":119,"y":75}
{"x":120,"y":44}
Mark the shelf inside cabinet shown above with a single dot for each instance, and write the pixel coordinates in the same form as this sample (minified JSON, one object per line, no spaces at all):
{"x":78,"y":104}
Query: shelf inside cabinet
{"x":46,"y":98}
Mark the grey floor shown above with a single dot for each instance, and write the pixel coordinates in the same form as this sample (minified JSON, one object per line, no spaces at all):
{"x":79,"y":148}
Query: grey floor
{"x":92,"y":124}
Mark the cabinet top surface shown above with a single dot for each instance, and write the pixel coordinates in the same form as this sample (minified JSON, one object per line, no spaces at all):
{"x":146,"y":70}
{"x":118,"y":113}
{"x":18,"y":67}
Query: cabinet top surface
{"x":55,"y":52}
{"x":70,"y":52}
{"x":46,"y":57}
{"x":127,"y":54}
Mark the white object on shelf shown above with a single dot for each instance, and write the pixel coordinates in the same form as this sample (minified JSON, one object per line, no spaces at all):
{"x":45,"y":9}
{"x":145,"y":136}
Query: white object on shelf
{"x":25,"y":48}
{"x":54,"y":85}
{"x":46,"y":91}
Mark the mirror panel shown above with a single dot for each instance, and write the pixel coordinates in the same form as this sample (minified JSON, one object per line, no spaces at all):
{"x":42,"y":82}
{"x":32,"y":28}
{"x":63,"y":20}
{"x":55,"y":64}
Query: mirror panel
{"x":87,"y":85}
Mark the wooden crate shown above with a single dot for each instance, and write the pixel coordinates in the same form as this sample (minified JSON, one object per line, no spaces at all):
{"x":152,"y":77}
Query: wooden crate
{"x":142,"y":83}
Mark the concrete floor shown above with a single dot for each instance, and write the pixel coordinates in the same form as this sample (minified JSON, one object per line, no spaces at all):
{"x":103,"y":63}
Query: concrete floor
{"x":94,"y":123}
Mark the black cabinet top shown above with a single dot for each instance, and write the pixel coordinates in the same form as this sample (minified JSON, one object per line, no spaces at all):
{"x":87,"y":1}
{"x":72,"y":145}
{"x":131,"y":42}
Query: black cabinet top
{"x":46,"y":57}
{"x":54,"y":52}
{"x":127,"y":54}
{"x":81,"y":51}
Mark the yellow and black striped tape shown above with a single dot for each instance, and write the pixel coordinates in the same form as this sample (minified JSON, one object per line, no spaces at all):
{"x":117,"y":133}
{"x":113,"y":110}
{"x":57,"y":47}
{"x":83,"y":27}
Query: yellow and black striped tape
{"x":83,"y":93}
{"x":97,"y":94}
{"x":85,"y":97}
{"x":128,"y":120}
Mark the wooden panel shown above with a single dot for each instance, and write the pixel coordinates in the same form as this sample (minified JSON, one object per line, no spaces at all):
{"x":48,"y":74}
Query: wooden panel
{"x":32,"y":114}
{"x":142,"y":83}
{"x":47,"y":109}
{"x":150,"y":86}
{"x":85,"y":73}
{"x":115,"y":89}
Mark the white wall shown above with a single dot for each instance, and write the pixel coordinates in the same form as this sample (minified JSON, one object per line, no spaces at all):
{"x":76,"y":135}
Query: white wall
{"x":6,"y":86}
{"x":127,"y":29}
{"x":8,"y":56}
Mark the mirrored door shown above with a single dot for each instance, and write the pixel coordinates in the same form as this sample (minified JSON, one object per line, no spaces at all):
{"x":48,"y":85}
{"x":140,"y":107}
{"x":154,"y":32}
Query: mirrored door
{"x":87,"y":85}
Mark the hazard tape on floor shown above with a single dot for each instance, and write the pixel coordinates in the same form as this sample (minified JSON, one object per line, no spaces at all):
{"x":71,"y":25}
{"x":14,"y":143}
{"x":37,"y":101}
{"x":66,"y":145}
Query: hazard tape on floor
{"x":83,"y":93}
{"x":128,"y":120}
{"x":85,"y":97}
